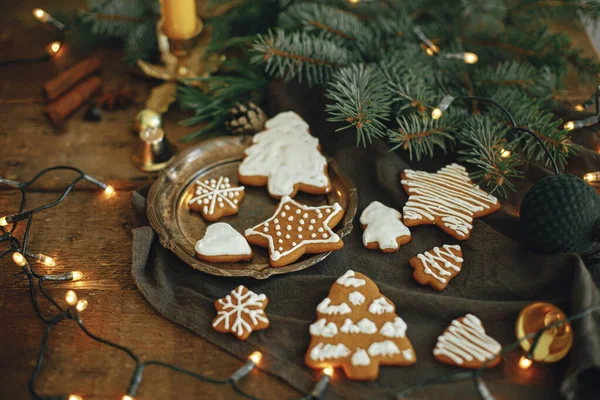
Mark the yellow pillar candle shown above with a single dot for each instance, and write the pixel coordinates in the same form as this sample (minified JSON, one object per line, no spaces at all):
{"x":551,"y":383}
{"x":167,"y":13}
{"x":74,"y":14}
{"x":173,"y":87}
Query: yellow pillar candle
{"x":179,"y":18}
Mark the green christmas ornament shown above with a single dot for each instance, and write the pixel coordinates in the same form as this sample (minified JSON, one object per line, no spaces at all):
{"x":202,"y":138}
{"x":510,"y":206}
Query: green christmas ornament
{"x":560,"y":214}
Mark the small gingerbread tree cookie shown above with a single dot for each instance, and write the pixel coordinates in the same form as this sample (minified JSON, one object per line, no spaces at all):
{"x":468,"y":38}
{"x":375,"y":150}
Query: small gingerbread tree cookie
{"x":437,"y":266}
{"x":357,"y":328}
{"x":383,"y":228}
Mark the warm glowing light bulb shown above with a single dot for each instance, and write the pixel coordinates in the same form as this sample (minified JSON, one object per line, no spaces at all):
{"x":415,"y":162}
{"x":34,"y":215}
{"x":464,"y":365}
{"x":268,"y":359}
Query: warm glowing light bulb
{"x":588,"y":177}
{"x":47,"y":261}
{"x":71,"y":298}
{"x":81,"y":305}
{"x":525,"y":362}
{"x":429,"y":51}
{"x":256,"y":357}
{"x":3,"y":221}
{"x":19,"y":259}
{"x":470,"y":58}
{"x":505,"y":153}
{"x":579,"y":107}
{"x":109,"y":190}
{"x":569,"y":125}
{"x":75,"y":397}
{"x":328,"y":370}
{"x":41,"y":14}
{"x":127,"y":397}
{"x":77,"y":275}
{"x":53,"y":48}
{"x":436,"y":113}
{"x":353,"y":1}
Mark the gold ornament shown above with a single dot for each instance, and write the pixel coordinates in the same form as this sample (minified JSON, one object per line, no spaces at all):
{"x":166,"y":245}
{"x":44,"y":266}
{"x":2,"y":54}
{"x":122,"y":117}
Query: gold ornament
{"x":147,"y":118}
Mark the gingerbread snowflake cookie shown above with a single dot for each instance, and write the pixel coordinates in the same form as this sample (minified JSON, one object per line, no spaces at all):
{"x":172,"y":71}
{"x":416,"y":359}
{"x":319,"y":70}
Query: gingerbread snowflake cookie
{"x":222,"y":243}
{"x":465,"y":344}
{"x":285,"y":157}
{"x":241,"y":312}
{"x":438,"y":266}
{"x":216,"y":198}
{"x":383,"y":228}
{"x":296,"y":229}
{"x":357,"y":328}
{"x":447,"y":199}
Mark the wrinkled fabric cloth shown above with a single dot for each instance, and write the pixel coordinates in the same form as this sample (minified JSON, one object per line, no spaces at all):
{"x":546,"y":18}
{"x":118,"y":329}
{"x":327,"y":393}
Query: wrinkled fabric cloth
{"x":499,"y":277}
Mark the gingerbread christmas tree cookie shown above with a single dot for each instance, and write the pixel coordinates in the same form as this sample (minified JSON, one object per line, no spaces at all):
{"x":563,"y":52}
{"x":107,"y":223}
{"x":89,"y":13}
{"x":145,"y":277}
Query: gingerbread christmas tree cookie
{"x":447,"y":199}
{"x":296,"y":229}
{"x":437,"y":266}
{"x":216,"y":198}
{"x":357,"y":328}
{"x":383,"y":228}
{"x":285,"y":157}
{"x":465,"y":344}
{"x":241,"y":312}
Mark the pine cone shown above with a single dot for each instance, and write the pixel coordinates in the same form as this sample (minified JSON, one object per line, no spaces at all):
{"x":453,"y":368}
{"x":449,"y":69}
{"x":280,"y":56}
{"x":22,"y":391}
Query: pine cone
{"x":245,"y":119}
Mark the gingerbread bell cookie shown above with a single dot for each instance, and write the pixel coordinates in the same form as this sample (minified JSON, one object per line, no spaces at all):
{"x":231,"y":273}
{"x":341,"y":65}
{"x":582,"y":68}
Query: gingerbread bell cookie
{"x":296,"y":229}
{"x":447,"y":199}
{"x":465,"y":344}
{"x":383,"y":228}
{"x":357,"y":328}
{"x":222,"y":243}
{"x":241,"y":312}
{"x":437,"y":266}
{"x":285,"y":157}
{"x":216,"y":198}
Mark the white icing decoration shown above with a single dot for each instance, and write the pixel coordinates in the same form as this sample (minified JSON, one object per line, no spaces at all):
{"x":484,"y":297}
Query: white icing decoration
{"x":396,"y":329}
{"x":322,"y":352}
{"x":447,"y":194}
{"x":385,"y":348}
{"x":408,"y":354}
{"x":356,"y":298}
{"x":323,"y":328}
{"x":332,"y":237}
{"x":237,"y":304}
{"x":325,"y":307}
{"x":433,"y":261}
{"x":348,"y":280}
{"x":360,"y":357}
{"x":380,"y":306}
{"x":365,"y":326}
{"x":216,"y":192}
{"x":298,"y":211}
{"x":221,"y":239}
{"x":384,"y":225}
{"x":466,"y":341}
{"x":287,"y":154}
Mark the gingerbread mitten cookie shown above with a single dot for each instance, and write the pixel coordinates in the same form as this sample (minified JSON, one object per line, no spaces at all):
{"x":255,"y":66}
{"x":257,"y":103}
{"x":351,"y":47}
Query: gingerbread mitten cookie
{"x":222,"y":243}
{"x":438,"y":266}
{"x":383,"y":228}
{"x":285,"y":157}
{"x":296,"y":229}
{"x":465,"y":344}
{"x":216,"y":198}
{"x":357,"y":328}
{"x":447,"y":199}
{"x":241,"y":312}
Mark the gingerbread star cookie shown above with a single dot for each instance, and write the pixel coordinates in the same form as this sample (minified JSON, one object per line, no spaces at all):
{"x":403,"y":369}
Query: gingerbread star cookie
{"x":357,"y":328}
{"x":286,"y":158}
{"x":465,"y":344}
{"x":296,"y":229}
{"x":438,"y":266}
{"x":216,"y":198}
{"x":241,"y":312}
{"x":447,"y":199}
{"x":383,"y":228}
{"x":222,"y":243}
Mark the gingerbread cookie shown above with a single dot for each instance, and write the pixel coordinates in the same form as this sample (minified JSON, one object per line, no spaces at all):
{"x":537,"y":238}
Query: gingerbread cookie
{"x":383,"y":228}
{"x":465,"y":344}
{"x":296,"y":229}
{"x":285,"y":158}
{"x":222,"y":243}
{"x":438,"y":266}
{"x":216,"y":198}
{"x":241,"y":312}
{"x":447,"y":199}
{"x":357,"y":328}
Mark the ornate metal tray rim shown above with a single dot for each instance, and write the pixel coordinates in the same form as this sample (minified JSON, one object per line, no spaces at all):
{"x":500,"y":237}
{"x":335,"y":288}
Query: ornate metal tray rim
{"x":157,"y":221}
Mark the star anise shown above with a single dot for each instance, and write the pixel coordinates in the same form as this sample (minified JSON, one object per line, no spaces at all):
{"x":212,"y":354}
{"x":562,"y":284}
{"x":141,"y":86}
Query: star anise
{"x":115,"y":99}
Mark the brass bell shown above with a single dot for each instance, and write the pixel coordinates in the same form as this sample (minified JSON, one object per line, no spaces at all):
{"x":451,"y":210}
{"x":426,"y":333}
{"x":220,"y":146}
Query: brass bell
{"x":555,"y":343}
{"x":154,"y":151}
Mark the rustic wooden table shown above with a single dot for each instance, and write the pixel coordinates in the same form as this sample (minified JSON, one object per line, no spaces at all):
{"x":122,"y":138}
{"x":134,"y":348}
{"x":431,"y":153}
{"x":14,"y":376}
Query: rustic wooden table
{"x":91,"y":233}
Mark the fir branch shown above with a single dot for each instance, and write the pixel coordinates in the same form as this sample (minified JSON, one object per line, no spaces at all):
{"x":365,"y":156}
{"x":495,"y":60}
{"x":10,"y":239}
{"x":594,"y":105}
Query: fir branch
{"x":361,"y":100}
{"x":421,"y":135}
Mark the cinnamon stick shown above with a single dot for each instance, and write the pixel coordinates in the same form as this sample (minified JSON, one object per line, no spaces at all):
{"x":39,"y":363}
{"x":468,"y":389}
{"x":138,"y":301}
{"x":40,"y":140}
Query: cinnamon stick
{"x":68,"y":78}
{"x":59,"y":110}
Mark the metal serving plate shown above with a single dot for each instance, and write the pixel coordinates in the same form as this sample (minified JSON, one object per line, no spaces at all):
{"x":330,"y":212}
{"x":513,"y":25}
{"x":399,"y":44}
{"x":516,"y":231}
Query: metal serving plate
{"x":179,"y":229}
